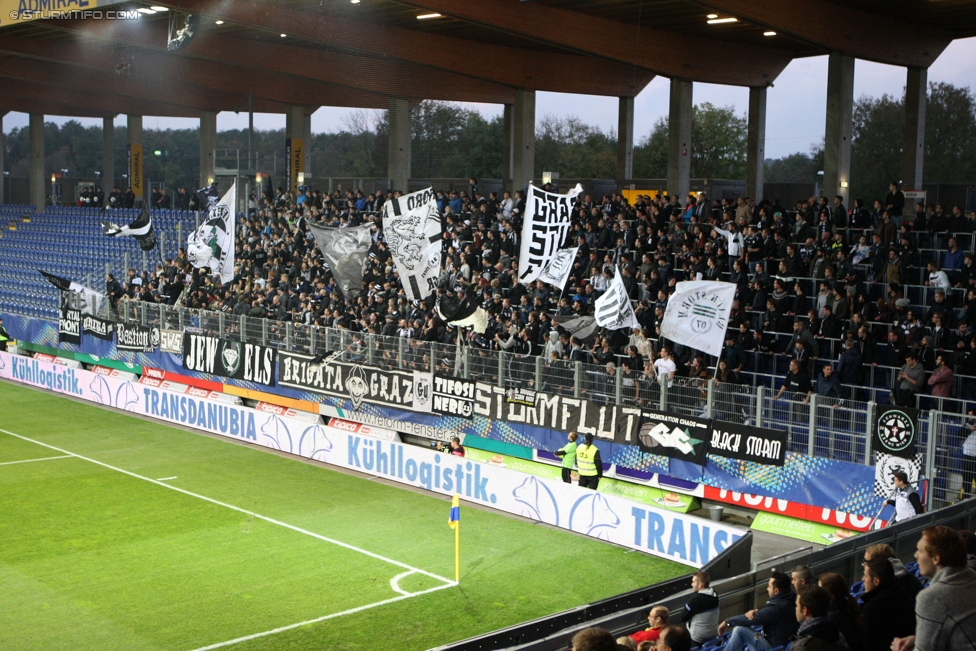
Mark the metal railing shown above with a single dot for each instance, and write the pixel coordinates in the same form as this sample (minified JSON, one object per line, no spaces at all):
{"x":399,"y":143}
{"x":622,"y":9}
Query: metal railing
{"x":822,"y":427}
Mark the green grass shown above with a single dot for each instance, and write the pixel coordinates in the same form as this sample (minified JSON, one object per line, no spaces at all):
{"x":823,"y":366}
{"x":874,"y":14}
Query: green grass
{"x":93,"y":558}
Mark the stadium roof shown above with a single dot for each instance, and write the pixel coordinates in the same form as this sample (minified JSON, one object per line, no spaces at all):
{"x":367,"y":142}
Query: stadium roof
{"x":336,"y":53}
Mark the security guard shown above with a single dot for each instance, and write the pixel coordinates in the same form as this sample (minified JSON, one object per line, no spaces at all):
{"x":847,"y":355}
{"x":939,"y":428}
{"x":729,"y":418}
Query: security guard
{"x":4,"y":336}
{"x":907,"y":503}
{"x":588,"y":463}
{"x":568,"y":453}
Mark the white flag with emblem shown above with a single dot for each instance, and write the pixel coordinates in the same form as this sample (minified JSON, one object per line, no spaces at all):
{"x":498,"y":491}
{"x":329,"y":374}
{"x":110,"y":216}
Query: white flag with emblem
{"x":412,"y":227}
{"x":613,"y":309}
{"x":548,"y":217}
{"x":698,"y":314}
{"x":558,"y":270}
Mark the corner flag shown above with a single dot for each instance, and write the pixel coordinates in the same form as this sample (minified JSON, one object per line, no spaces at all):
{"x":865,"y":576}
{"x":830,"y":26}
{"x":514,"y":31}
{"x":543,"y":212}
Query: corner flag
{"x":454,"y":522}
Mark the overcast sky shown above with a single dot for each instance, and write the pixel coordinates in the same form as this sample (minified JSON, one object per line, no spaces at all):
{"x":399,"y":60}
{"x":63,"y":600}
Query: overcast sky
{"x":795,"y":111}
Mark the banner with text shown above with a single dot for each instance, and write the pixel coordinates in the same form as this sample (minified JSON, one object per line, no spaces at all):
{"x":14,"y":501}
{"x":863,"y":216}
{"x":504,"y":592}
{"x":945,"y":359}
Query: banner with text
{"x":758,"y":444}
{"x":229,"y":358}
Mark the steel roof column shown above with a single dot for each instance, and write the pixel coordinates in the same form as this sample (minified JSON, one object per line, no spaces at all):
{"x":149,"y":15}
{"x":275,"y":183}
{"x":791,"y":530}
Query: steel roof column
{"x":837,"y":135}
{"x":523,"y":141}
{"x":756,"y":143}
{"x":208,"y":145}
{"x":398,"y":165}
{"x":913,"y":151}
{"x":136,"y":158}
{"x":38,"y":182}
{"x":679,"y":138}
{"x":108,"y":154}
{"x":625,"y":141}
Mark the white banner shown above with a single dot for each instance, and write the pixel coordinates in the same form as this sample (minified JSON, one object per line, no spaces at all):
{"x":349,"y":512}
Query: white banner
{"x":698,"y":314}
{"x":547,"y":220}
{"x":679,"y":537}
{"x":412,"y":228}
{"x":614,"y":310}
{"x":212,"y":245}
{"x":559,"y":269}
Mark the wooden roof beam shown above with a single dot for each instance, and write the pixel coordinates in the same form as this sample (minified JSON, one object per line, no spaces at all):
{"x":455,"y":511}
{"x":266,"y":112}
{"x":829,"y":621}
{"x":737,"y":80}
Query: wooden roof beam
{"x":835,"y":26}
{"x":152,"y":65}
{"x":373,"y":74}
{"x":668,"y":53}
{"x":548,"y":71}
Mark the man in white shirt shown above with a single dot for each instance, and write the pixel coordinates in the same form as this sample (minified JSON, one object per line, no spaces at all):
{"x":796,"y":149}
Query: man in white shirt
{"x":665,"y":368}
{"x":734,"y":242}
{"x":937,"y":277}
{"x":505,"y":207}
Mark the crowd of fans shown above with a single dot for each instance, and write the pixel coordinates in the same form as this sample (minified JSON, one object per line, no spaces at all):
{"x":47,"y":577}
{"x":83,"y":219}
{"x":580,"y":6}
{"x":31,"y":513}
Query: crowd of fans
{"x":888,"y":609}
{"x":859,"y":263}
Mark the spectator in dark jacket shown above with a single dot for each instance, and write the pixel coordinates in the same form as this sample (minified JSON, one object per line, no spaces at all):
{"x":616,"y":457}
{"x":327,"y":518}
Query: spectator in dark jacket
{"x":700,"y":614}
{"x":817,"y":632}
{"x":849,"y":364}
{"x":777,"y":617}
{"x":843,"y":610}
{"x":888,"y":611}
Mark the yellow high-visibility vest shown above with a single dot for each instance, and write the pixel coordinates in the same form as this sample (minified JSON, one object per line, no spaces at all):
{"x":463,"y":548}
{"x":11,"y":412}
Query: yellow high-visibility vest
{"x":585,"y":460}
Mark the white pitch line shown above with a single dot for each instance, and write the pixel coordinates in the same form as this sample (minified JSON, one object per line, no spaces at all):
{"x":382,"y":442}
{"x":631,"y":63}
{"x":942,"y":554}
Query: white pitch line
{"x":10,"y":463}
{"x":166,"y":478}
{"x":447,"y":582}
{"x":395,"y":583}
{"x":274,"y":631}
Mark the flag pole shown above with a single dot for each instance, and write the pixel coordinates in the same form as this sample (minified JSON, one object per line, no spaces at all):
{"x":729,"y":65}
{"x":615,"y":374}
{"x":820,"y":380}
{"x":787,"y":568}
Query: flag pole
{"x":457,"y":552}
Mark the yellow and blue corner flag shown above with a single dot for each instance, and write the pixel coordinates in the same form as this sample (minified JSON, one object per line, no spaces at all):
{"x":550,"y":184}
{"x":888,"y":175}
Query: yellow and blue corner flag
{"x":455,"y":517}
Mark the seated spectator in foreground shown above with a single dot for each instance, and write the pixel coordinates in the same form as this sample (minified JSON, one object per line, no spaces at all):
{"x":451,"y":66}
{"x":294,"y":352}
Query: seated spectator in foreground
{"x":701,"y":612}
{"x":626,"y":643}
{"x":946,"y":610}
{"x":905,"y":579}
{"x":594,"y":639}
{"x":888,"y":611}
{"x":817,"y":632}
{"x":657,"y":618}
{"x":843,"y":610}
{"x":777,"y":617}
{"x":674,"y":638}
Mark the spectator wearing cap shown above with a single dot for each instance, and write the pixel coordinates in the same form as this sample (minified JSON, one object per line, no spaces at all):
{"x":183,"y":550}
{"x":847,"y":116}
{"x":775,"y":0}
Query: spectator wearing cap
{"x":946,"y":616}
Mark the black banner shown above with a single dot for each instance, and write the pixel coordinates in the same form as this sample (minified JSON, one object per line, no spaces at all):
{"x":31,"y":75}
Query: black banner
{"x":358,"y":383}
{"x":678,"y":437}
{"x":136,"y":338}
{"x":99,"y":328}
{"x":896,"y":431}
{"x":229,"y":358}
{"x":608,"y":422}
{"x":69,"y":326}
{"x":758,"y":444}
{"x":453,"y":396}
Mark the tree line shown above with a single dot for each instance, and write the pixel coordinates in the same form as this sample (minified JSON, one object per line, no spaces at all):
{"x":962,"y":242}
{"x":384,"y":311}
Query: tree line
{"x":450,"y":141}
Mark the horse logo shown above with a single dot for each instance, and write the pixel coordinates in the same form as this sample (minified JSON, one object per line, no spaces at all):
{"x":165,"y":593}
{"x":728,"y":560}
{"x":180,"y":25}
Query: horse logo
{"x":593,"y":516}
{"x":537,"y":501}
{"x":278,"y":433}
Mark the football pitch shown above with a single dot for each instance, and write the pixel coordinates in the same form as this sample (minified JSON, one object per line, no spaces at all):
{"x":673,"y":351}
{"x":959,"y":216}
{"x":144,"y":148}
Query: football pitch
{"x":120,"y":533}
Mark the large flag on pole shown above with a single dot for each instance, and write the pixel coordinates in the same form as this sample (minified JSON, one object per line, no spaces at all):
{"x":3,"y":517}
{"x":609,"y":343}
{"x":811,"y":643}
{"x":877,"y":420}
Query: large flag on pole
{"x":412,"y":227}
{"x":613,"y":309}
{"x":547,"y":221}
{"x":141,"y":229}
{"x":559,"y":269}
{"x":91,"y":301}
{"x":212,"y":245}
{"x":698,"y":314}
{"x":344,"y":250}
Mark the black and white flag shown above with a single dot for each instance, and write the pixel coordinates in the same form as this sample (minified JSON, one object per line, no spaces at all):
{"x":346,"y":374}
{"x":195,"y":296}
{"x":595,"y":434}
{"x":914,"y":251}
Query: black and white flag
{"x":547,"y":220}
{"x":212,"y":245}
{"x":86,"y":299}
{"x":559,"y":269}
{"x":344,"y":250}
{"x":141,"y":229}
{"x":462,"y":312}
{"x":412,"y":227}
{"x":613,"y":309}
{"x":698,"y":314}
{"x":581,"y":327}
